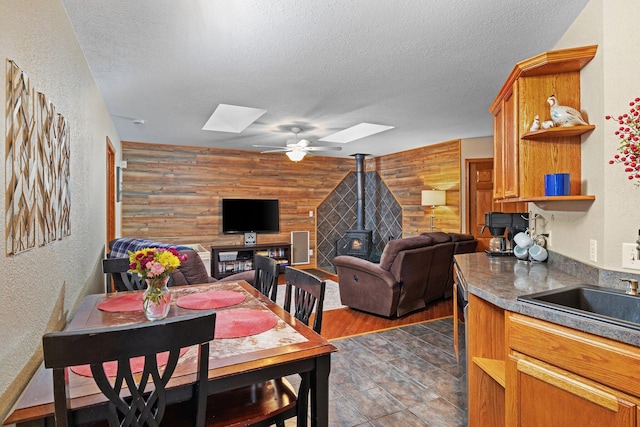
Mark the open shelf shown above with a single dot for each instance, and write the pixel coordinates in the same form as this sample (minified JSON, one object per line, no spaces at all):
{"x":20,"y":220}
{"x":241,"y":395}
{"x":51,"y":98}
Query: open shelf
{"x":232,"y":259}
{"x":492,"y":367}
{"x":559,"y":132}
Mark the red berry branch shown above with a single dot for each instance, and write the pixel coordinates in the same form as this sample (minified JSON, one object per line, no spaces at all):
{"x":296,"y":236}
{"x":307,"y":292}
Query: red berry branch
{"x":629,"y":135}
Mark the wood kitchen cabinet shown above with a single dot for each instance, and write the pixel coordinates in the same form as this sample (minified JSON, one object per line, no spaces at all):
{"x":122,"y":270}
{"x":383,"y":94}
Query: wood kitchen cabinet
{"x":521,"y":157}
{"x":486,"y":355}
{"x":557,"y":376}
{"x":528,"y":372}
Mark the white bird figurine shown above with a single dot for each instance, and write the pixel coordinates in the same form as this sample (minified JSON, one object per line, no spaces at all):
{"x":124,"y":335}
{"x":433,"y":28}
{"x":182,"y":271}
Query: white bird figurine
{"x":563,"y":115}
{"x":536,"y":123}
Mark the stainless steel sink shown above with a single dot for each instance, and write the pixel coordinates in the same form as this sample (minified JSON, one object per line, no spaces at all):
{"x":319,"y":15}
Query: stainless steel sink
{"x":595,"y":302}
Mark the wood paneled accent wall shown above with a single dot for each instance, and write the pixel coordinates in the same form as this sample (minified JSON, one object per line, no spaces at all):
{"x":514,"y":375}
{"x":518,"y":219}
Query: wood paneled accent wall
{"x":409,"y":172}
{"x":173,"y":193}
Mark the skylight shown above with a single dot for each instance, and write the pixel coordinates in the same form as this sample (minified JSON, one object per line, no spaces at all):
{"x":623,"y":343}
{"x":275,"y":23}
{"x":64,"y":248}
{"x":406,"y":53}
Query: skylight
{"x":232,"y":118}
{"x":355,"y":132}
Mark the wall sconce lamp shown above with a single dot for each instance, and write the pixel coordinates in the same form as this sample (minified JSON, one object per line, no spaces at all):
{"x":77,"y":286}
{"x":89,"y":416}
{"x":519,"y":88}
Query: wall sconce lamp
{"x":433,"y":198}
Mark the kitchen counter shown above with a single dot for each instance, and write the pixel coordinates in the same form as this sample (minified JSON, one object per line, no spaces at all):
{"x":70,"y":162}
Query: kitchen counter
{"x":500,"y":280}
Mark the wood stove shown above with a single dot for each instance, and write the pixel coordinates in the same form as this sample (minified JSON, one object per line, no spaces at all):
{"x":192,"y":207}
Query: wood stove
{"x":357,"y":242}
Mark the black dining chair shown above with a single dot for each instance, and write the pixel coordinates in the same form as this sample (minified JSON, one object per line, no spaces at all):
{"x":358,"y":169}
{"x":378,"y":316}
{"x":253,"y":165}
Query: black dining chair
{"x":274,"y":401}
{"x":147,"y":404}
{"x":266,"y":276}
{"x":306,"y":291}
{"x":117,"y":269}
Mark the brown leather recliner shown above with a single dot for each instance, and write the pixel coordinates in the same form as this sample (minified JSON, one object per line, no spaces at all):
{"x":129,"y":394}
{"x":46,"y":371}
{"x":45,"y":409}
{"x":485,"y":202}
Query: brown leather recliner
{"x":413,"y":271}
{"x":440,"y":283}
{"x":391,"y":288}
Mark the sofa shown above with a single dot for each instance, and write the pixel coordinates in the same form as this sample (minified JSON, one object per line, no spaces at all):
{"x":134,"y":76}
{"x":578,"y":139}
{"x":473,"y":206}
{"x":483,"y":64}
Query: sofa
{"x":412,"y":272}
{"x":191,"y":272}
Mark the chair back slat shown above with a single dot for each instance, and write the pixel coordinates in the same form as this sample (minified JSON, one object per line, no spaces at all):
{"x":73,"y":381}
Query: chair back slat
{"x":266,"y":276}
{"x":147,"y":391}
{"x":307,"y":291}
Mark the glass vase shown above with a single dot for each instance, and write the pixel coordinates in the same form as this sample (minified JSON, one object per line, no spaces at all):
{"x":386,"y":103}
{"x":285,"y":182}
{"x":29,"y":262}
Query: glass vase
{"x":157,"y":298}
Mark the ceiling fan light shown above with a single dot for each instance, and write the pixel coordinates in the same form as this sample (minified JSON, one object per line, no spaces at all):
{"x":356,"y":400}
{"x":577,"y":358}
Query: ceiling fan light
{"x":295,"y":155}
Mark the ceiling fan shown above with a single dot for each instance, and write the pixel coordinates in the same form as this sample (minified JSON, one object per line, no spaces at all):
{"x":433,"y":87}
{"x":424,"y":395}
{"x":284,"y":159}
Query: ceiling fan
{"x":297,"y":148}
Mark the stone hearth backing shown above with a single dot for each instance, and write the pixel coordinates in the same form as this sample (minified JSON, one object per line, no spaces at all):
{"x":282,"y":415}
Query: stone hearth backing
{"x":337,"y":214}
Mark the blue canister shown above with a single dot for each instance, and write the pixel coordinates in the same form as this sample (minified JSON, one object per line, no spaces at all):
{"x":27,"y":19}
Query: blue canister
{"x":557,"y":184}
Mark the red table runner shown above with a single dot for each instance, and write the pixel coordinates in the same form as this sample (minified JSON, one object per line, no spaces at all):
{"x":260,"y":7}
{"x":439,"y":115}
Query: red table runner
{"x":210,"y":299}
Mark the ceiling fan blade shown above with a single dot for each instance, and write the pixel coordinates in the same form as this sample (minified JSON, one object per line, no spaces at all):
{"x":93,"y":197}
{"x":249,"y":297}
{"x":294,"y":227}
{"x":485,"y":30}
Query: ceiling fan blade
{"x":268,"y":146}
{"x":277,"y":150}
{"x":323,"y":148}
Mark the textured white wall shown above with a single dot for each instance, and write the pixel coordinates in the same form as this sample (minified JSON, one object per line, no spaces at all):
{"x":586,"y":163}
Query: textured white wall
{"x":41,"y":287}
{"x":608,"y":83}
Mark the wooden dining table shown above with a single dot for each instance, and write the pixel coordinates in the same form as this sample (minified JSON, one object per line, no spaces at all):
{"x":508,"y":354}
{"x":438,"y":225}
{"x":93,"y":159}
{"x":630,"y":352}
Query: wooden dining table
{"x":289,"y":347}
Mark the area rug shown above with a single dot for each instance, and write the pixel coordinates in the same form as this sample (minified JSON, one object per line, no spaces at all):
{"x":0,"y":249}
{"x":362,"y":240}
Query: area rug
{"x":331,"y":296}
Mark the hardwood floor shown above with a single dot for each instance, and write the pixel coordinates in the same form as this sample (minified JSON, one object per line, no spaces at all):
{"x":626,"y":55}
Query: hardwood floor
{"x":347,"y":322}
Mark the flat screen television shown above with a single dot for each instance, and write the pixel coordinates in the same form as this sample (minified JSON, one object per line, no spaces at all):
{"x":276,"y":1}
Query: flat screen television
{"x":250,"y":215}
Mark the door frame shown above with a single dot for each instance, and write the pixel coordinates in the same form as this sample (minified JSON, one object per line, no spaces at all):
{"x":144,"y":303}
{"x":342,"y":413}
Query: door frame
{"x":111,"y":193}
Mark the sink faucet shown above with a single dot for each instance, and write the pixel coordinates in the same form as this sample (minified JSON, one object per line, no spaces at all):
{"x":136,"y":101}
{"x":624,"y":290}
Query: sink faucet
{"x":633,"y":286}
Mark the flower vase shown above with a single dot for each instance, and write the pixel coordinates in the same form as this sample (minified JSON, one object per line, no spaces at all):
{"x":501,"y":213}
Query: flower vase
{"x":156,"y":298}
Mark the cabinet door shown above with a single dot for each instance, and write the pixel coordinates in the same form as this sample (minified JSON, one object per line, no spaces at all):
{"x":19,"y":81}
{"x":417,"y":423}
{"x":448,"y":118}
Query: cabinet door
{"x":548,"y":396}
{"x":498,"y":137}
{"x":511,"y":142}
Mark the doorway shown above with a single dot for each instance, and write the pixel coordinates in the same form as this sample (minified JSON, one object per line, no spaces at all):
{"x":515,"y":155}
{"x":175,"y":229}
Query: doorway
{"x":479,"y":198}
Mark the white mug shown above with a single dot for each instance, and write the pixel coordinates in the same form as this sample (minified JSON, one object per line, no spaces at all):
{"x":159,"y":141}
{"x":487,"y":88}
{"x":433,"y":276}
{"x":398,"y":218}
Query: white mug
{"x":521,"y":252}
{"x":538,"y":253}
{"x":523,"y":240}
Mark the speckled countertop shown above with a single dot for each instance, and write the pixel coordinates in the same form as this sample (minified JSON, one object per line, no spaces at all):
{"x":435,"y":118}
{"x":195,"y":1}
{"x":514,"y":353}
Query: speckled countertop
{"x":500,"y":280}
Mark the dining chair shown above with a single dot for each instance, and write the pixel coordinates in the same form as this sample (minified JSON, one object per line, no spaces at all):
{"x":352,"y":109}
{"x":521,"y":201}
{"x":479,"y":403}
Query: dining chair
{"x":274,"y":401}
{"x":117,"y":269}
{"x":266,"y":276}
{"x":307,"y":291}
{"x":147,"y":404}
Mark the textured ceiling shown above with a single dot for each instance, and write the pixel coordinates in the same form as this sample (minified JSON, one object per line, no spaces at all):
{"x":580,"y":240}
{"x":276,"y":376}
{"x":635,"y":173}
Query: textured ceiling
{"x":429,"y":68}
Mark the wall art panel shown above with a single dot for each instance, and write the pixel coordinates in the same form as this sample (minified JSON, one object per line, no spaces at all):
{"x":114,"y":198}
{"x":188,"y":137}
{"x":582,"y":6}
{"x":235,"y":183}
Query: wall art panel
{"x":53,"y":172}
{"x":37,"y":177}
{"x":20,"y":176}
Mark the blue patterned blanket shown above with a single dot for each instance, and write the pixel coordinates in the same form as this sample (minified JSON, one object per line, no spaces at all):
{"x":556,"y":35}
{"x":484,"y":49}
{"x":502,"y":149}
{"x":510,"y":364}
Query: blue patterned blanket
{"x":121,"y":247}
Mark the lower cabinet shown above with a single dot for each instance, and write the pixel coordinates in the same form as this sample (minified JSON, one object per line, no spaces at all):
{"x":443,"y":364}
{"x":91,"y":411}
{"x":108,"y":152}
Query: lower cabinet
{"x":529,"y":372}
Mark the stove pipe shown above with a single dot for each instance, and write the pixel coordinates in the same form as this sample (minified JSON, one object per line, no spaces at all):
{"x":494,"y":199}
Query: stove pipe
{"x":360,"y":177}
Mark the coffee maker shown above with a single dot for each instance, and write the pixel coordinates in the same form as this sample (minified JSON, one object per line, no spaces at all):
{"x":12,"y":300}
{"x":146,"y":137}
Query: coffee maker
{"x":499,"y":222}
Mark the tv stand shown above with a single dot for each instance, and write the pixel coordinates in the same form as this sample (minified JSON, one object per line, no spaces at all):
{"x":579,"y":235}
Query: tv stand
{"x":232,"y":259}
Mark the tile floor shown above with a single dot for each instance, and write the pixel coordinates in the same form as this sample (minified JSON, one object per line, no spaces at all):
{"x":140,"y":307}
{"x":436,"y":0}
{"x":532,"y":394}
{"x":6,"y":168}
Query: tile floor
{"x":401,"y":377}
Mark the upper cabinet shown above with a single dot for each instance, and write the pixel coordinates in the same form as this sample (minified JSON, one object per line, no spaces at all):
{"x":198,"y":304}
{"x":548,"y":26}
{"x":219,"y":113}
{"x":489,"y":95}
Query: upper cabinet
{"x":522,"y":157}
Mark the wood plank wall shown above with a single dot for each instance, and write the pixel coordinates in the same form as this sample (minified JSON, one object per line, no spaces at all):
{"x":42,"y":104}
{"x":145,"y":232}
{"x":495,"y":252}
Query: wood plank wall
{"x":409,"y":172}
{"x":173,"y":193}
